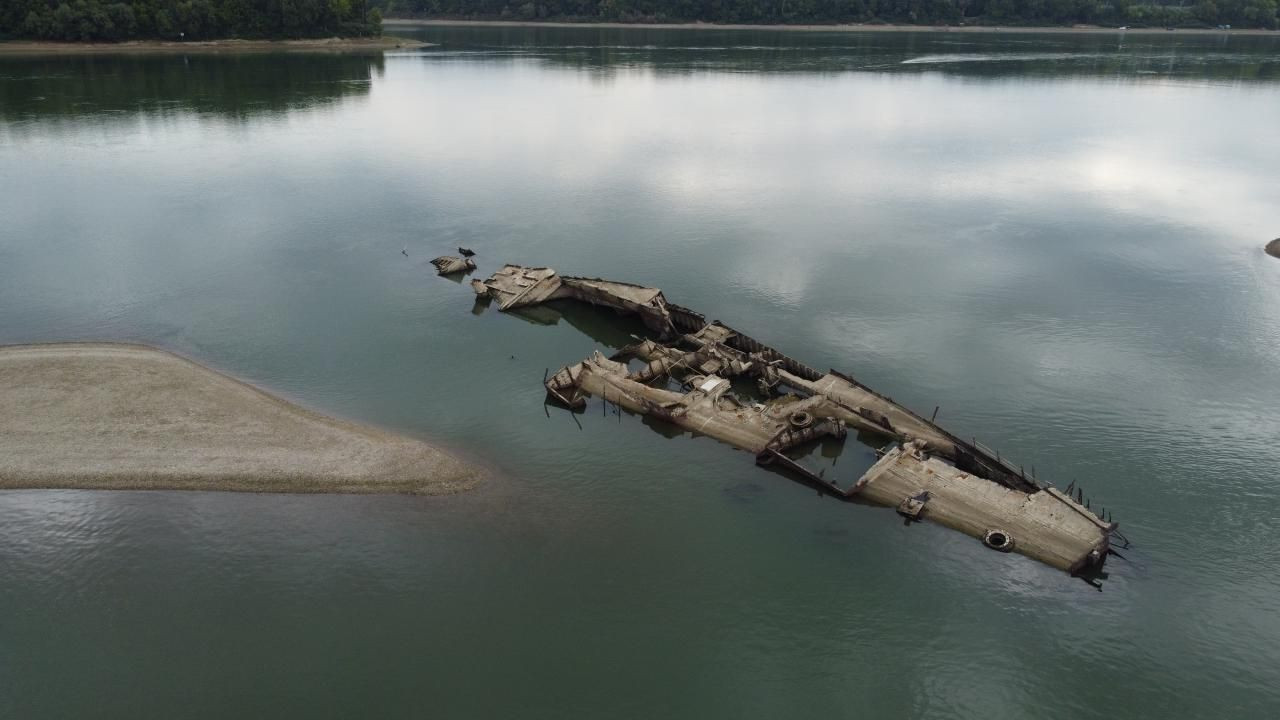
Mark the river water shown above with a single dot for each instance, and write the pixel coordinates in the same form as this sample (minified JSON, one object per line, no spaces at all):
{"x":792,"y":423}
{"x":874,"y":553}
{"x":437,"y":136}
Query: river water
{"x":1057,"y":239}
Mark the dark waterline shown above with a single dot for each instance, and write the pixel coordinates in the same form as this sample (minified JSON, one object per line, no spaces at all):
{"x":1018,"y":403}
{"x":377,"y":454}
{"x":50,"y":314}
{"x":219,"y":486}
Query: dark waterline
{"x":1054,"y":238}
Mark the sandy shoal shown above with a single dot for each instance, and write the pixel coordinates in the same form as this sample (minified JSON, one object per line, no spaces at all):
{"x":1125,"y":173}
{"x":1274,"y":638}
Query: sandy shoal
{"x":108,"y":416}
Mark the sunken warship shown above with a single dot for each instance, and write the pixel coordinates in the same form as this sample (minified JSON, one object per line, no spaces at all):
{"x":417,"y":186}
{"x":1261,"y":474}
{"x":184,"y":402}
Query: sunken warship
{"x":923,"y":472}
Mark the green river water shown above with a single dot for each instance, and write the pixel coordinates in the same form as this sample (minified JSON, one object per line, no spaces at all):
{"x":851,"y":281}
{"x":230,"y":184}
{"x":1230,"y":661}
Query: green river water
{"x":1055,"y":238}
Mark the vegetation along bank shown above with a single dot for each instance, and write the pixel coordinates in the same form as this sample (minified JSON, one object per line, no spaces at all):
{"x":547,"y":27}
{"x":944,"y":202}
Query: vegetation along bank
{"x":119,"y":20}
{"x":1160,"y":13}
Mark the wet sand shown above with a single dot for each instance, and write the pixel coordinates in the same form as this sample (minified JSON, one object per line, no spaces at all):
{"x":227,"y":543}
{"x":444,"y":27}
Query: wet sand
{"x":107,"y":416}
{"x":344,"y":45}
{"x":392,"y":22}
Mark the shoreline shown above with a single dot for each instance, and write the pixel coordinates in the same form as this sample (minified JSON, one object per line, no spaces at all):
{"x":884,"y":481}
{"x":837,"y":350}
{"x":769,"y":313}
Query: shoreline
{"x":115,"y":416}
{"x":331,"y":45}
{"x":413,"y":22}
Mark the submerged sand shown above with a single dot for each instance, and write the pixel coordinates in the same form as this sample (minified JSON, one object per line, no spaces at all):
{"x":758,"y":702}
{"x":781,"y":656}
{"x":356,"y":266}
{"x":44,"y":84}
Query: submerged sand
{"x":106,"y":416}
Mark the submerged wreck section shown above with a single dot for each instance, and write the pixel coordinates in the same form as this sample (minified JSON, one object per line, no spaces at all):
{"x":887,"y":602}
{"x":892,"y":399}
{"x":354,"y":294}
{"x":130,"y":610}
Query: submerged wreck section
{"x":924,"y":472}
{"x":1045,"y":525}
{"x":450,"y":265}
{"x":706,"y":408}
{"x":515,"y":287}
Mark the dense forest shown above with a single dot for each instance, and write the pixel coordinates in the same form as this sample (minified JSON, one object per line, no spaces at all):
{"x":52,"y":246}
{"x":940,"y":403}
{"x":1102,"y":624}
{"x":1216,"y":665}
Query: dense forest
{"x":114,"y":20}
{"x":1157,"y":13}
{"x":203,"y":19}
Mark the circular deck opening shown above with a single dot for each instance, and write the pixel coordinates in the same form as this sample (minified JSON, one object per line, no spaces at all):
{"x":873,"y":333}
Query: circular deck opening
{"x":800,"y":419}
{"x":998,"y":540}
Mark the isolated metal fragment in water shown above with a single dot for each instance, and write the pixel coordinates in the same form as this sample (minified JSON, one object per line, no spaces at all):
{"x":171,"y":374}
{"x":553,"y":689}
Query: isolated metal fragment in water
{"x":449,"y":265}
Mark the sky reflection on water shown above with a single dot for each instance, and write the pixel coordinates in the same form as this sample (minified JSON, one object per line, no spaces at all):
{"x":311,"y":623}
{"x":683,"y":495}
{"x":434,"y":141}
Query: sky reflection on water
{"x":1062,"y":253}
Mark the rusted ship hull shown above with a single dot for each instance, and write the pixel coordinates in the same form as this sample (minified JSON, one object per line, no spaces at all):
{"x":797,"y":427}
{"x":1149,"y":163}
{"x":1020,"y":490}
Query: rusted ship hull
{"x":926,"y":473}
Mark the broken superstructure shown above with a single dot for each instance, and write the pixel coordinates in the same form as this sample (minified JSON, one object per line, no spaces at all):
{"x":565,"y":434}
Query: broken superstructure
{"x":925,"y":472}
{"x":451,"y":265}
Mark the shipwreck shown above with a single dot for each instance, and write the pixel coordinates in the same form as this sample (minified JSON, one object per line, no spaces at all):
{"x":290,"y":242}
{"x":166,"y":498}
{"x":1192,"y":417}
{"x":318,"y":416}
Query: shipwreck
{"x":451,"y":265}
{"x":683,"y":373}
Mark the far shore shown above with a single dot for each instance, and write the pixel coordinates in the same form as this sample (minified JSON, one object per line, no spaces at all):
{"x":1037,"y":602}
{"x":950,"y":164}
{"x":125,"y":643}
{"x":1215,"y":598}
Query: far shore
{"x":388,"y":22}
{"x":106,"y":416}
{"x":334,"y":45}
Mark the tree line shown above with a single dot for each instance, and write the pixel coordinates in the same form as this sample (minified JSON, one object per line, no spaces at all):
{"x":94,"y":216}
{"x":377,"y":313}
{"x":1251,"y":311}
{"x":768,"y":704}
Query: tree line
{"x":1161,"y":13}
{"x":116,"y":20}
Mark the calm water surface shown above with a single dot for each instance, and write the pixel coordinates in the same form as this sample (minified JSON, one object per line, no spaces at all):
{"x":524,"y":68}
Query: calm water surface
{"x":1057,"y":239}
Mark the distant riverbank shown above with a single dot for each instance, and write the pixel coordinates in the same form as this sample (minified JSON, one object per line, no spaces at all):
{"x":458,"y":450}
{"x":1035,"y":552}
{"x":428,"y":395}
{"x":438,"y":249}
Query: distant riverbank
{"x":344,"y":45}
{"x":123,"y":417}
{"x":392,"y":22}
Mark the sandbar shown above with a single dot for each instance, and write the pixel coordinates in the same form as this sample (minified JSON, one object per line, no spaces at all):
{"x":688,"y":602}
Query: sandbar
{"x":116,"y":416}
